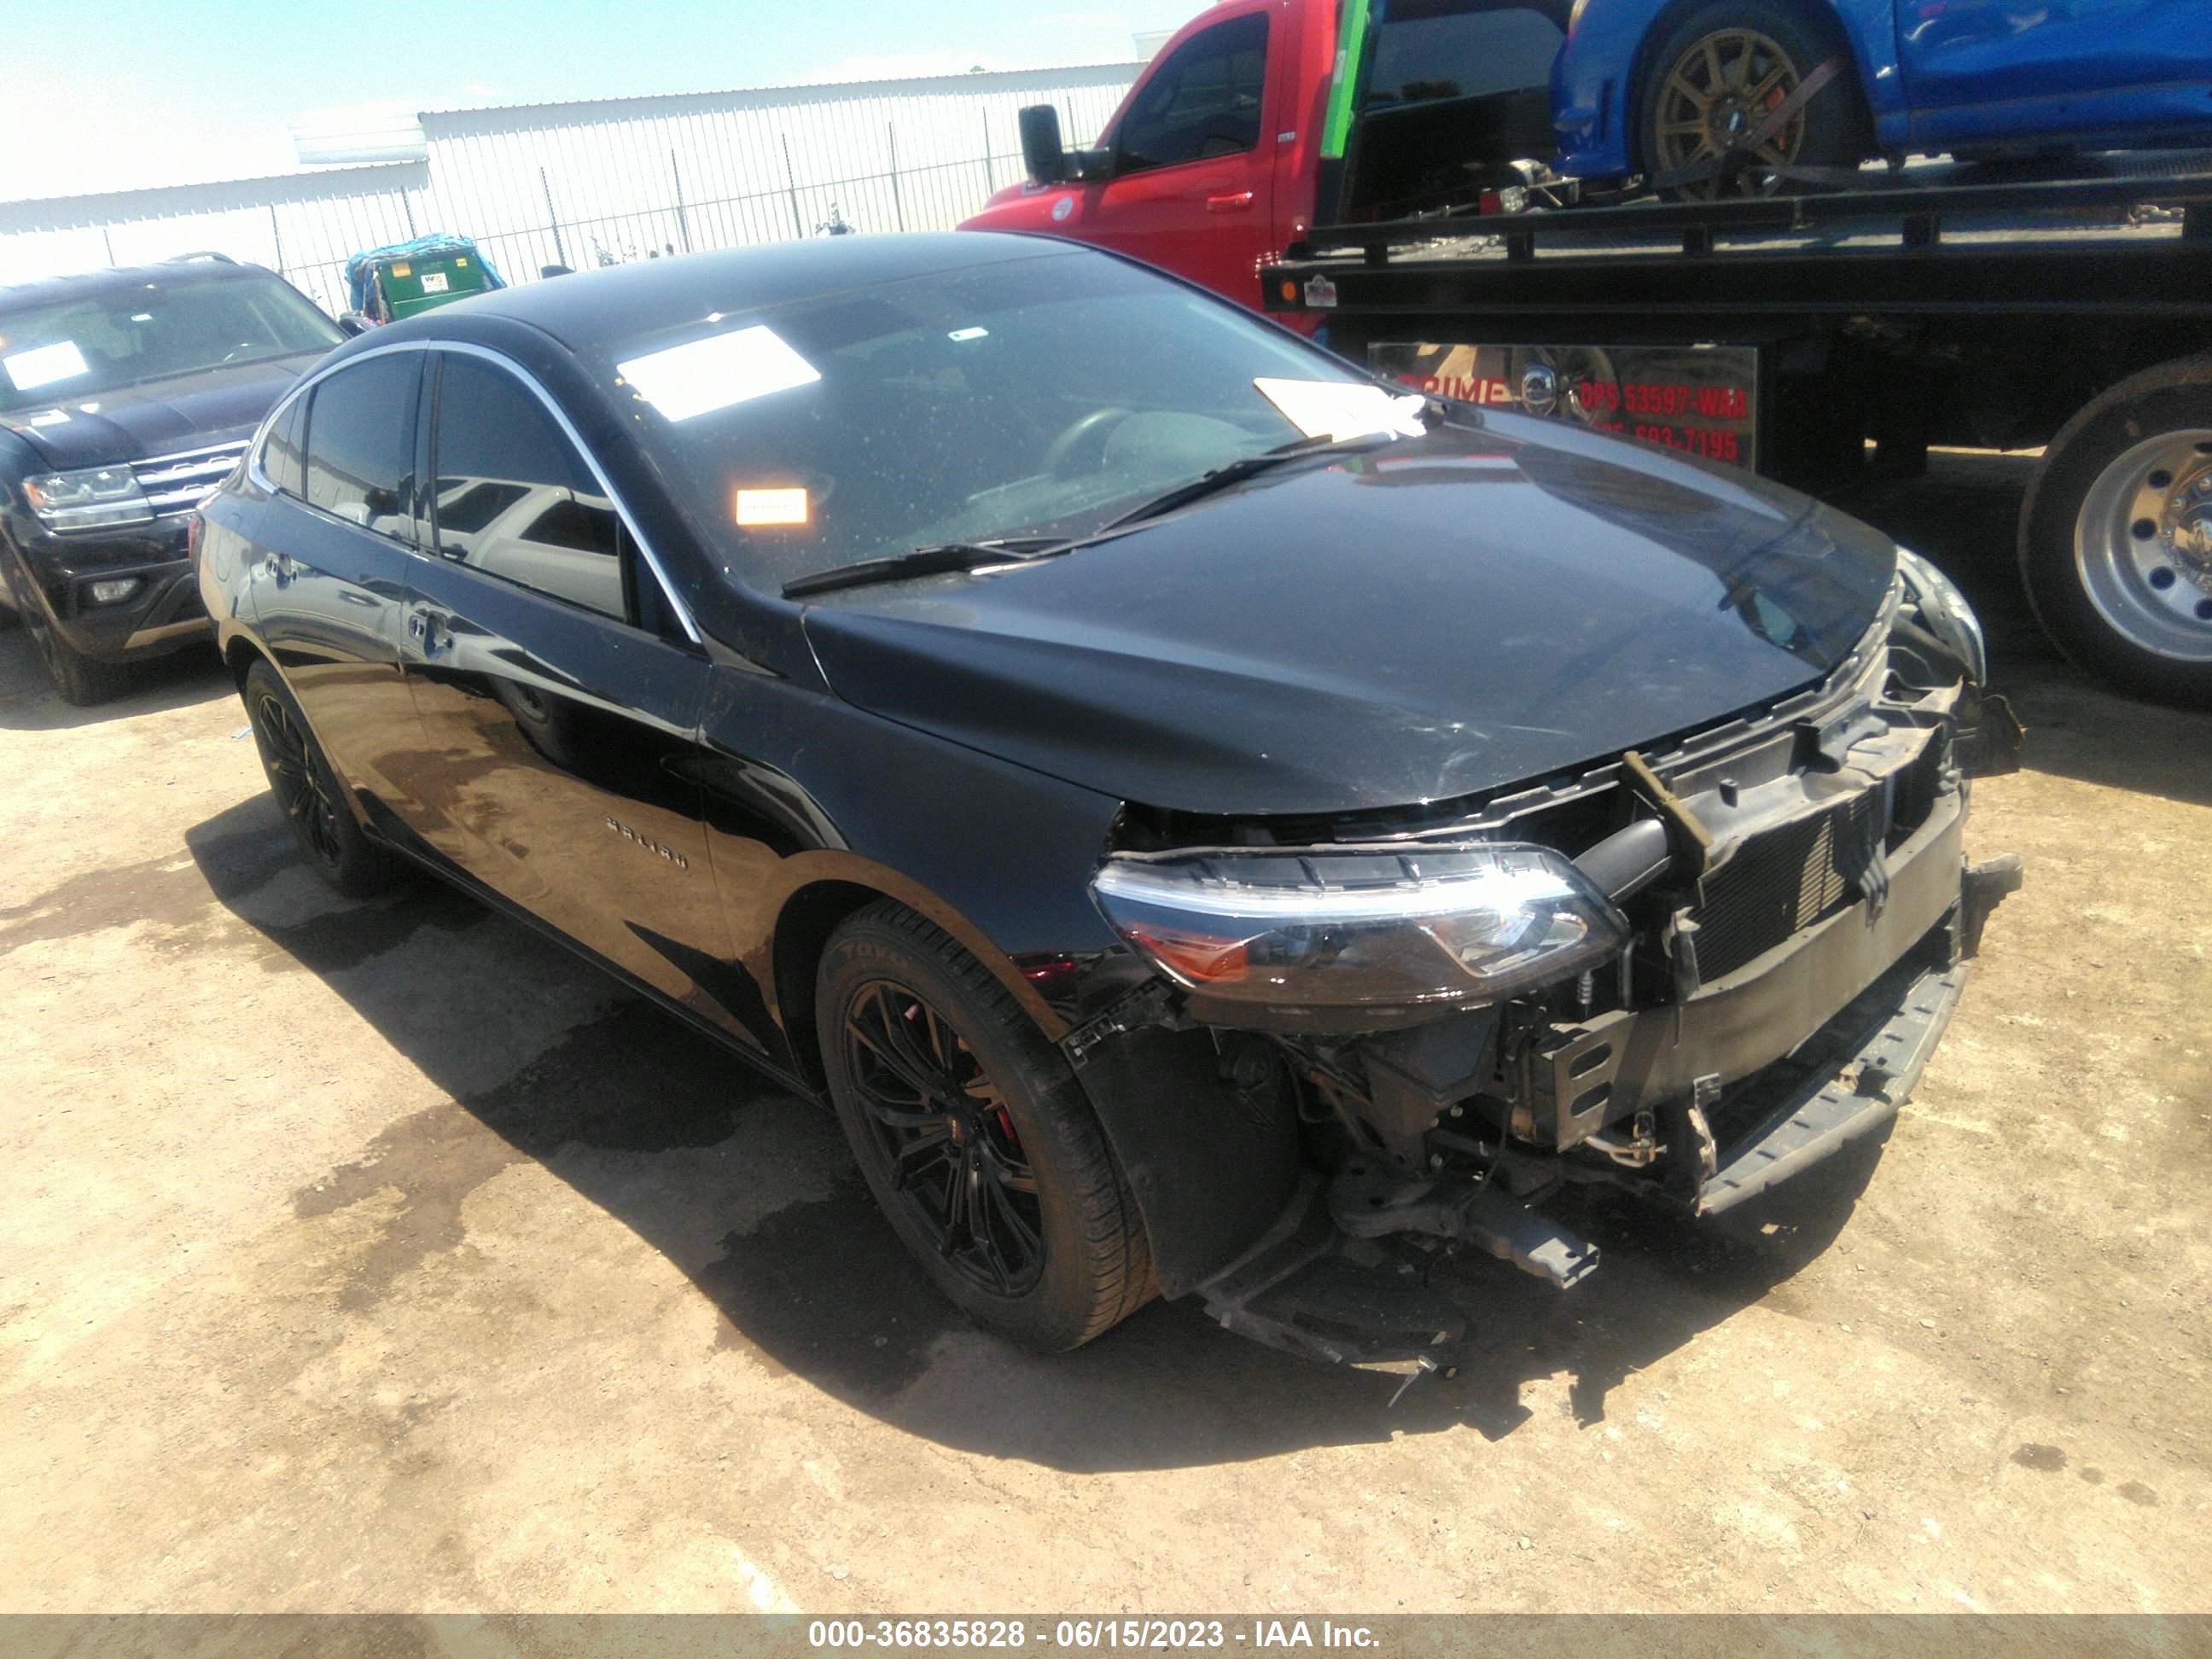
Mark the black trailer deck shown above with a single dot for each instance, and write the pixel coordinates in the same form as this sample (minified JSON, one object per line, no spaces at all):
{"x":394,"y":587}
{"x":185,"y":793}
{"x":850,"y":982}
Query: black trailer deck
{"x":2134,"y":239}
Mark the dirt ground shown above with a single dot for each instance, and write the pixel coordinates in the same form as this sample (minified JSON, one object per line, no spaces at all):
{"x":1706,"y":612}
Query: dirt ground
{"x":384,"y":1258}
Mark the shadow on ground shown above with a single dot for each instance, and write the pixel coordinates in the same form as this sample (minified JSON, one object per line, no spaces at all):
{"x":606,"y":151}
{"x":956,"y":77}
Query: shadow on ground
{"x":29,"y":702}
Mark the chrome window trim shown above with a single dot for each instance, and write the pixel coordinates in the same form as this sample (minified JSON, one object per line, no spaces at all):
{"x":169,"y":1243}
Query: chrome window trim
{"x":323,"y":371}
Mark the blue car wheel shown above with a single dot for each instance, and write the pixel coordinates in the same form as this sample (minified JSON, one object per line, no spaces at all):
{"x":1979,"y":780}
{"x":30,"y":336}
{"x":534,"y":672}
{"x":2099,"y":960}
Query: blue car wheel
{"x":1709,"y":95}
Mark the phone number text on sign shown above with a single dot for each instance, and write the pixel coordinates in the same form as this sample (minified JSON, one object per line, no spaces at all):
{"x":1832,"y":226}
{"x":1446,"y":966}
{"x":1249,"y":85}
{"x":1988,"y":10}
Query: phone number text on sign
{"x":1701,"y":400}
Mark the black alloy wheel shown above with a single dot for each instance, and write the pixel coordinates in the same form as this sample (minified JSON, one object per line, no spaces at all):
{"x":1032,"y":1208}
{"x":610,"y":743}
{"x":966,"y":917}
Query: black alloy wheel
{"x":975,"y":1136}
{"x":955,"y":1159}
{"x":308,"y":798}
{"x":308,"y":791}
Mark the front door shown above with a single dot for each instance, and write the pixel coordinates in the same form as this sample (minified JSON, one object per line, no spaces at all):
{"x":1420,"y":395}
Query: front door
{"x":559,"y":699}
{"x":1192,"y":186}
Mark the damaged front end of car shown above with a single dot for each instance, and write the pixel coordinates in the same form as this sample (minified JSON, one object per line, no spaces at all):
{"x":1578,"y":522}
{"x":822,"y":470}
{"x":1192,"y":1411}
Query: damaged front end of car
{"x":1690,"y":971}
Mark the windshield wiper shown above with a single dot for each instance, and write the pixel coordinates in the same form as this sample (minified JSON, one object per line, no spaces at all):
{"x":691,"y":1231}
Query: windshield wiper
{"x":935,"y":560}
{"x":1235,"y":471}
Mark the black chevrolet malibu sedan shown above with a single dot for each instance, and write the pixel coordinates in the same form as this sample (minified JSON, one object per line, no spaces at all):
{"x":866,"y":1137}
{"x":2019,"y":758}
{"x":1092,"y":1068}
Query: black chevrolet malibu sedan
{"x":124,"y":397}
{"x":1208,"y":823}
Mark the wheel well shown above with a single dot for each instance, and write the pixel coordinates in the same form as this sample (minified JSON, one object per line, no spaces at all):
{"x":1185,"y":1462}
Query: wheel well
{"x":1816,"y":14}
{"x":239,"y":657}
{"x":802,"y":932}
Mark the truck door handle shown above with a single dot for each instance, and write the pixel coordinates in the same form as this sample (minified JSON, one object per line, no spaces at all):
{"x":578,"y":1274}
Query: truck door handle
{"x":1238,"y":202}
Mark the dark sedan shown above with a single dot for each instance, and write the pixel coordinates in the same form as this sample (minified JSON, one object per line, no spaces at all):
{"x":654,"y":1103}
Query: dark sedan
{"x":1208,"y":823}
{"x":124,"y":397}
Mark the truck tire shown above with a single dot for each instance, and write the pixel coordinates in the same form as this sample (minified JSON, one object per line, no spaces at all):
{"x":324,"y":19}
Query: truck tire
{"x":975,"y":1136}
{"x":1717,"y":74}
{"x":2116,"y":535}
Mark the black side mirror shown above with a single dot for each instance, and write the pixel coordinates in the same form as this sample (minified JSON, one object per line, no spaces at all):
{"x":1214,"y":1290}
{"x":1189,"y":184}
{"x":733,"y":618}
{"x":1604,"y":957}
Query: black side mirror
{"x":556,"y":270}
{"x":352,"y":322}
{"x":1042,"y":152}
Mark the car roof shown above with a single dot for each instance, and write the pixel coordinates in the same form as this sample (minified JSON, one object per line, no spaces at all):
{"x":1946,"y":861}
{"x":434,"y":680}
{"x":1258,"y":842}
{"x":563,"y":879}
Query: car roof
{"x":623,"y":302}
{"x":196,"y":267}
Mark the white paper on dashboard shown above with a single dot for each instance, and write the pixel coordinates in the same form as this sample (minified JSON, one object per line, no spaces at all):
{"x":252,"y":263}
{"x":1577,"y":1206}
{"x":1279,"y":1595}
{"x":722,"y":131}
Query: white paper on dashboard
{"x":43,"y":365}
{"x":700,"y":376}
{"x":1339,"y":408}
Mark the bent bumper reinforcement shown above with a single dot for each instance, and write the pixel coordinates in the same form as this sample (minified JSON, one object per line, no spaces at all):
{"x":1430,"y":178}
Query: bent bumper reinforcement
{"x":1848,"y":1102}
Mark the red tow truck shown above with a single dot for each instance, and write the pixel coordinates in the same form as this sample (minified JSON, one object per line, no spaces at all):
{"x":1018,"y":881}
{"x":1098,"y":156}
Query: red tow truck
{"x":1375,"y":172}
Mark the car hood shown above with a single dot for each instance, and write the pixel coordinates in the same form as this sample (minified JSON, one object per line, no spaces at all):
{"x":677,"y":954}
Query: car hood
{"x":185,"y":411}
{"x":1442,"y":616}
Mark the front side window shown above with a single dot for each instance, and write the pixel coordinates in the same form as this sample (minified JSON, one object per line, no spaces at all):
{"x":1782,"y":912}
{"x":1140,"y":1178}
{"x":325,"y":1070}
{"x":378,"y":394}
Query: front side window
{"x":513,"y":498}
{"x":1039,"y":395}
{"x":1201,"y":102}
{"x":361,"y":443}
{"x":155,"y":330}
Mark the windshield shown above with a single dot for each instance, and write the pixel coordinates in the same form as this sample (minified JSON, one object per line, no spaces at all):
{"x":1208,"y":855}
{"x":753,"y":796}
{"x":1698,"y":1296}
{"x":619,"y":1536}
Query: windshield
{"x":76,"y":349}
{"x":1042,"y":397}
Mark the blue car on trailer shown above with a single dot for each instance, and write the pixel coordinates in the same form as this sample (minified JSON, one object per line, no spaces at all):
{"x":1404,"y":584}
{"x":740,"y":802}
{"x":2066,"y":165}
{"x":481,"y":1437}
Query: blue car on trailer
{"x":1663,"y":88}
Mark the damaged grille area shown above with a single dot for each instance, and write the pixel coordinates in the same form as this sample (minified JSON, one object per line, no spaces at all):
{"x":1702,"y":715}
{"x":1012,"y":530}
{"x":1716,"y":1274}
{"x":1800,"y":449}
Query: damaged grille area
{"x":1780,"y":883}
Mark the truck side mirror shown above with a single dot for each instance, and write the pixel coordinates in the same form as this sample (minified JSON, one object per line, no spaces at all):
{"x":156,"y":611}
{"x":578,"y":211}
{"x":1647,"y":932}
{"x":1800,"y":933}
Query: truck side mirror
{"x":352,"y":322}
{"x":1042,"y":152}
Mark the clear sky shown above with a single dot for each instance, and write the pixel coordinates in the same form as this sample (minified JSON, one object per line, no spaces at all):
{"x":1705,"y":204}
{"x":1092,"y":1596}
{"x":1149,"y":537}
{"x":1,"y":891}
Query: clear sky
{"x":105,"y":94}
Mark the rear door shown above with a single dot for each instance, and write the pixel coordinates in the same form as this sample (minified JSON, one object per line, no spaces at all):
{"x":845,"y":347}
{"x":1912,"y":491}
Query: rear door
{"x":558,"y":692}
{"x":330,"y":574}
{"x":1192,"y":186}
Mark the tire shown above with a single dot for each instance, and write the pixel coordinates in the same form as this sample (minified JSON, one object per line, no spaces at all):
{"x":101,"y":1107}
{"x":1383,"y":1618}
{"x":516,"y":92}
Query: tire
{"x":1772,"y":46}
{"x":84,"y":682}
{"x":2116,"y":535}
{"x":322,"y":822}
{"x":895,"y":999}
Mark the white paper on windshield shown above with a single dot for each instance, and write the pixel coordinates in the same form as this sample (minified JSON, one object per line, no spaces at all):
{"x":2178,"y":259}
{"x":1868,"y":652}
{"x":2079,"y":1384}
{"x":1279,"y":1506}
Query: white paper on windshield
{"x":756,"y":507}
{"x":700,"y":376}
{"x":1338,"y":409}
{"x":44,"y":365}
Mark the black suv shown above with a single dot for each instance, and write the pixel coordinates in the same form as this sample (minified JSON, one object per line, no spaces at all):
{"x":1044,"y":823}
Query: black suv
{"x":125,"y":396}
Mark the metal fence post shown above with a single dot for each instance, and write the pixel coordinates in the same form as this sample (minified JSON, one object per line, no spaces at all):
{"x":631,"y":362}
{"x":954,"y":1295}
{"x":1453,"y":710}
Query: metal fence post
{"x":276,"y":235}
{"x":898,"y":207}
{"x":682,"y":218}
{"x":553,"y":216}
{"x":791,"y":183}
{"x":990,"y":178}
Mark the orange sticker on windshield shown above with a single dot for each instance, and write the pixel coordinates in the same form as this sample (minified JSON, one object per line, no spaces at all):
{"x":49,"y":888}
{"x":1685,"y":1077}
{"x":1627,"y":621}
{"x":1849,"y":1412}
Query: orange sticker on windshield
{"x":771,"y":507}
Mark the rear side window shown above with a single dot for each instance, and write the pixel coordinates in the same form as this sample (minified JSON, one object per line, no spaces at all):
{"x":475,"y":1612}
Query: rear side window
{"x":513,"y":498}
{"x":361,"y":443}
{"x":283,"y":457}
{"x":1429,"y":49}
{"x":1202,"y":101}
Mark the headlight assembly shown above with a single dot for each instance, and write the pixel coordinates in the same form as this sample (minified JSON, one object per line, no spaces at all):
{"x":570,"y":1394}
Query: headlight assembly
{"x":1944,"y":608}
{"x":1361,"y":926}
{"x":96,"y":498}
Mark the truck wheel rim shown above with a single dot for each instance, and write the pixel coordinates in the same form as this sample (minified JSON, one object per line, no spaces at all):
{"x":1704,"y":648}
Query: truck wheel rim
{"x":2142,"y":545}
{"x":1714,"y":99}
